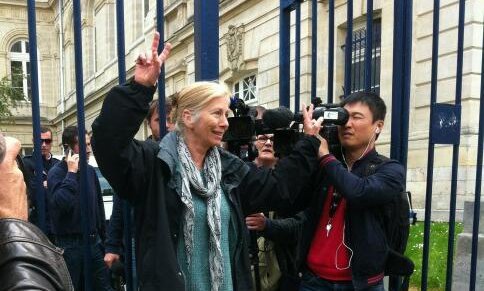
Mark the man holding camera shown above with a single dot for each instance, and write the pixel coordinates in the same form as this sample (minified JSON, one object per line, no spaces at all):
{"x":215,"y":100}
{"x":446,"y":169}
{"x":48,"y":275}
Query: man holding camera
{"x":344,"y":244}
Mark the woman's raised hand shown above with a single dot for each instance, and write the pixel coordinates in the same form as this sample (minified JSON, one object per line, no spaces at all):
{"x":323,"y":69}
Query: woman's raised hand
{"x":148,"y":68}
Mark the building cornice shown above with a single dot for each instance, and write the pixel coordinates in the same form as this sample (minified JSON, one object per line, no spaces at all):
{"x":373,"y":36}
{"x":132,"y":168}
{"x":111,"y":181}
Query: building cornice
{"x":38,"y":3}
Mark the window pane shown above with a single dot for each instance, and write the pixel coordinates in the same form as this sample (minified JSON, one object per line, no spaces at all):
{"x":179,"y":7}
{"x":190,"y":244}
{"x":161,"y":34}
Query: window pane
{"x":17,"y":47}
{"x":358,"y":58}
{"x":17,"y":76}
{"x":29,"y":83}
{"x":236,"y":88}
{"x":147,"y":7}
{"x":27,"y":47}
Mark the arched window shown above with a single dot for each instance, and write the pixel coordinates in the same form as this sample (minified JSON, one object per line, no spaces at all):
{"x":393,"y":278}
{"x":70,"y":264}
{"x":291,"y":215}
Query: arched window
{"x":20,"y":67}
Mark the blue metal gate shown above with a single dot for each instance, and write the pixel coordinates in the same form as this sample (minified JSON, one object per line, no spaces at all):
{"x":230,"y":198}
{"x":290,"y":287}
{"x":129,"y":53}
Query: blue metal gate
{"x":401,"y":91}
{"x":206,"y":68}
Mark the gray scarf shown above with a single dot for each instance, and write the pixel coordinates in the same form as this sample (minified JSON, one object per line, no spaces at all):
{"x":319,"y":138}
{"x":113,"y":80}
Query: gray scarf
{"x":212,"y":171}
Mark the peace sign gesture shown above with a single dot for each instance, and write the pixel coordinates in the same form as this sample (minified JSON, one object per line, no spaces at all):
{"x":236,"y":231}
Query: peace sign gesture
{"x":148,"y":68}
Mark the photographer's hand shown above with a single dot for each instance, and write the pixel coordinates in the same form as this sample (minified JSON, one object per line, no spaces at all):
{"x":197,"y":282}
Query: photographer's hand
{"x":13,"y":196}
{"x":312,"y":127}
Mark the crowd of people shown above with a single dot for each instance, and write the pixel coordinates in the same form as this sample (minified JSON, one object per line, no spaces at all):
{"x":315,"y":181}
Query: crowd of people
{"x":203,"y":218}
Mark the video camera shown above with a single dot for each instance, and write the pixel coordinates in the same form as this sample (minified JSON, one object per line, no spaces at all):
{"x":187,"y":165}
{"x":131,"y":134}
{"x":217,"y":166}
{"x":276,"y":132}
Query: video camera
{"x":284,"y":124}
{"x":243,"y":126}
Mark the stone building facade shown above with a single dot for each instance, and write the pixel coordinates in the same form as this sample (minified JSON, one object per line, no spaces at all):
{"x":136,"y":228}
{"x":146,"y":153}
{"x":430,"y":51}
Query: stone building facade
{"x":249,"y":64}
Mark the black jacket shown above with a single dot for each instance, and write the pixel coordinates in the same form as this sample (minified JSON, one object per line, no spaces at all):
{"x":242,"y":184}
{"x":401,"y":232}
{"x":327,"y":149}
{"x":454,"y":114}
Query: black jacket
{"x":366,"y":197}
{"x":285,"y":233}
{"x":147,"y":175}
{"x":64,"y":202}
{"x":28,"y":260}
{"x":29,"y":165}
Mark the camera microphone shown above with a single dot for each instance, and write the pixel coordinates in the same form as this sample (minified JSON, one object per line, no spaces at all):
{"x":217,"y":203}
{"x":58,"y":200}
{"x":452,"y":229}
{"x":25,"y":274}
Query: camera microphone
{"x":278,"y":118}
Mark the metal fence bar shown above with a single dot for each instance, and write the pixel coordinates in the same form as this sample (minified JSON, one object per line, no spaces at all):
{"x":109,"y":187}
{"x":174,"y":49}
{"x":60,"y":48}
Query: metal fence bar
{"x":330,"y":50}
{"x":368,"y":43}
{"x":397,"y":79}
{"x":128,"y":254}
{"x":455,"y":150}
{"x":430,"y":163}
{"x":297,"y":57}
{"x":314,"y":47}
{"x":348,"y":45}
{"x":82,"y":142}
{"x":406,"y":85}
{"x":477,"y":196}
{"x":284,"y":53}
{"x":160,"y":26}
{"x":402,"y":46}
{"x":206,"y":40}
{"x":34,"y":77}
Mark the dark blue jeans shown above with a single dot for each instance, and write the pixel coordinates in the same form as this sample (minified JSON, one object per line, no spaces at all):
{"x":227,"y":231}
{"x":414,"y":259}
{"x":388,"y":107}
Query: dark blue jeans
{"x":311,"y":282}
{"x":74,"y":256}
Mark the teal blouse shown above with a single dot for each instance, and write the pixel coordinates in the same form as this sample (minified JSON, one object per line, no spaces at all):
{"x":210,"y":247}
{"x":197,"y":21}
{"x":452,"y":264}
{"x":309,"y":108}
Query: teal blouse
{"x":197,"y":275}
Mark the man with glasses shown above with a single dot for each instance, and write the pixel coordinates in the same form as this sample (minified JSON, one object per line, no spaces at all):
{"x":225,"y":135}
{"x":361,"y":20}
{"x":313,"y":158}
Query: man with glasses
{"x":277,"y":234}
{"x":48,"y":161}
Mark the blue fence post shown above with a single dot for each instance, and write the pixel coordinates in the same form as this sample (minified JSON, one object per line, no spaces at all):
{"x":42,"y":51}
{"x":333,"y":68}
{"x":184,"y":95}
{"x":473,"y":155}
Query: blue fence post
{"x":128,"y":264}
{"x":368,"y":44}
{"x":160,"y":26}
{"x":314,"y":47}
{"x":284,"y":53}
{"x":82,"y":142}
{"x":430,"y":163}
{"x":398,"y":10}
{"x":330,"y":51}
{"x":206,"y":40}
{"x":477,"y":197}
{"x":34,"y":77}
{"x":297,"y":57}
{"x":455,"y":149}
{"x":406,"y":87}
{"x":402,"y":57}
{"x":348,"y":46}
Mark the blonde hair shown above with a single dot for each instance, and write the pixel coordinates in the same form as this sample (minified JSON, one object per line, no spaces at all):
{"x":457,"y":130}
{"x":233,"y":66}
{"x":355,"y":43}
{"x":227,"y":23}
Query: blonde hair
{"x":194,"y":97}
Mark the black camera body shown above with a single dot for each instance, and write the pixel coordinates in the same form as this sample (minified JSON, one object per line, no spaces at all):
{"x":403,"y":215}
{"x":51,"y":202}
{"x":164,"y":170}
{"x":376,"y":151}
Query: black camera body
{"x":284,"y":124}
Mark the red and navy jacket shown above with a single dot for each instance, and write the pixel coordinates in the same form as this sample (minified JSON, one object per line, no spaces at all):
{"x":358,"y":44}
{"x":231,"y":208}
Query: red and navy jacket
{"x":364,"y":225}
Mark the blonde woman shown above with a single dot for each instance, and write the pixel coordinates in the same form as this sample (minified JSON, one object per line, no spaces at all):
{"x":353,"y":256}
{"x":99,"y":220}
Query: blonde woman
{"x":190,"y":195}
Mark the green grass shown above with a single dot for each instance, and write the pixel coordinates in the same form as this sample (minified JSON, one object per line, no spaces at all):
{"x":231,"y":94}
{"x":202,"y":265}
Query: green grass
{"x":438,"y":253}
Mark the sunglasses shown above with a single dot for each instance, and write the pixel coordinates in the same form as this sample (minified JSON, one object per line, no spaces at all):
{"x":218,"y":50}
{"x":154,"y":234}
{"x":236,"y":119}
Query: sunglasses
{"x":46,"y":140}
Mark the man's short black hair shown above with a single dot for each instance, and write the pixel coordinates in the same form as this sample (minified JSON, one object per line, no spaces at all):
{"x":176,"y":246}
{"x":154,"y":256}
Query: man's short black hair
{"x":70,"y":136}
{"x":372,"y":100}
{"x":44,"y":129}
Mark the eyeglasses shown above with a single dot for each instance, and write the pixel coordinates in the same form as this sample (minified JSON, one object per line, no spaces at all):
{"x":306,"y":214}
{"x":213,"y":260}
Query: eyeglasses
{"x":46,"y":140}
{"x":264,"y":138}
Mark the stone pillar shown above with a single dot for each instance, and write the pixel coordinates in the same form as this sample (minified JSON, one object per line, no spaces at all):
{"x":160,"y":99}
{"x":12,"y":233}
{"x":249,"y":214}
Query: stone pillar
{"x":462,"y":262}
